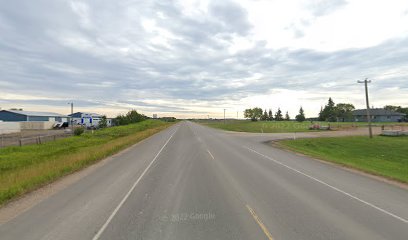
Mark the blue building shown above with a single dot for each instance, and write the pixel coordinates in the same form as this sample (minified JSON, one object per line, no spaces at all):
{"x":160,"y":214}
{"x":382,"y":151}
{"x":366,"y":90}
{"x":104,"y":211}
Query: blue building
{"x":378,"y":115}
{"x":29,"y":116}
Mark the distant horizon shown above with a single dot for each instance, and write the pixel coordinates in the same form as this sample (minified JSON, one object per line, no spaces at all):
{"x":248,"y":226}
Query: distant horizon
{"x":203,"y":116}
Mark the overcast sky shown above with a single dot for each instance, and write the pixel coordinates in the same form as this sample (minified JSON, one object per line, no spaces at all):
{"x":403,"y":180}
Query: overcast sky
{"x":195,"y":58}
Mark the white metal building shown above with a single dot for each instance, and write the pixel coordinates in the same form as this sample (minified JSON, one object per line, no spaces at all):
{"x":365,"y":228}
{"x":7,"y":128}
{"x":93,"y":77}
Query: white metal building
{"x":86,"y":119}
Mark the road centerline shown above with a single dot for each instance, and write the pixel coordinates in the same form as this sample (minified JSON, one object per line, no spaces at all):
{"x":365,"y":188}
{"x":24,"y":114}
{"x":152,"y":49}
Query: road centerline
{"x":105,"y":225}
{"x":331,"y":186}
{"x":259,"y":222}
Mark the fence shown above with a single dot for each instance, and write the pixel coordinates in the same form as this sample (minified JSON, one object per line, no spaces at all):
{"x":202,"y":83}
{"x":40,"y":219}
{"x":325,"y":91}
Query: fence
{"x":18,"y":140}
{"x":9,"y":127}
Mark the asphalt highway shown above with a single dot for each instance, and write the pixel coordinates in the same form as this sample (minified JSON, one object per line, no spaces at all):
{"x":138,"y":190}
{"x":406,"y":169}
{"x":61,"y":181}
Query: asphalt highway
{"x":194,"y":182}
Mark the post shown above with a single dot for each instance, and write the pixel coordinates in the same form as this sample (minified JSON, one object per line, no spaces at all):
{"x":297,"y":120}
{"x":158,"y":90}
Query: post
{"x":224,"y":115}
{"x":366,"y":81}
{"x":70,"y":118}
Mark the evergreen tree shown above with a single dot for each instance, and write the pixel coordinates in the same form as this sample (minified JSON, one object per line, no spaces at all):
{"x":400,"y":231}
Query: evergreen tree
{"x":287,"y":117}
{"x":329,"y":112}
{"x":320,"y":118}
{"x":270,"y":115}
{"x":278,"y":115}
{"x":264,"y":116}
{"x":301,"y":116}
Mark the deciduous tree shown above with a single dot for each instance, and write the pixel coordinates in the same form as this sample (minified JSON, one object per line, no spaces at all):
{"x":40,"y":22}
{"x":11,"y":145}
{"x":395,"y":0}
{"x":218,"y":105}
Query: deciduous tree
{"x":253,"y":113}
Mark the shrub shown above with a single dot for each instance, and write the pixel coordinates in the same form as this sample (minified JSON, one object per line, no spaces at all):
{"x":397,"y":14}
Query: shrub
{"x":78,"y":131}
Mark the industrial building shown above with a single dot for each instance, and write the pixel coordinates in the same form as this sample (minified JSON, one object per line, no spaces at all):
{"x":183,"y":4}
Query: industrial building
{"x":28,"y":120}
{"x":29,"y":116}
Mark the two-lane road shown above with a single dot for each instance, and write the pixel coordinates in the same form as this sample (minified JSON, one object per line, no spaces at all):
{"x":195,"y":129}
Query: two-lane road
{"x":193,"y":182}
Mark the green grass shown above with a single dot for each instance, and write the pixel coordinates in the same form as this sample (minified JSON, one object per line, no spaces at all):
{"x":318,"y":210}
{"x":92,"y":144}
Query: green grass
{"x":259,"y":126}
{"x":279,"y":126}
{"x":23,"y":169}
{"x":384,"y":156}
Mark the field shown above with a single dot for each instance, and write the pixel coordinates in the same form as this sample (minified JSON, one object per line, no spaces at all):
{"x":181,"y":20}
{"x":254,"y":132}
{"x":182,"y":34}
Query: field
{"x":23,"y":169}
{"x":384,"y":156}
{"x":282,"y":126}
{"x":271,"y":126}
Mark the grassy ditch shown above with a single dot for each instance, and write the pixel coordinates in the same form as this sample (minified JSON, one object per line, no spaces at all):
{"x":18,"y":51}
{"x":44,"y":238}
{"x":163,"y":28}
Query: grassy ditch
{"x":383,"y":156}
{"x":23,"y":169}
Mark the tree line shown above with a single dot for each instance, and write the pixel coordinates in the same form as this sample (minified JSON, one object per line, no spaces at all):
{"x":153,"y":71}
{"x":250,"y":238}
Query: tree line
{"x":131,"y":117}
{"x":257,"y":113}
{"x":331,"y":112}
{"x":398,"y":109}
{"x":340,"y":112}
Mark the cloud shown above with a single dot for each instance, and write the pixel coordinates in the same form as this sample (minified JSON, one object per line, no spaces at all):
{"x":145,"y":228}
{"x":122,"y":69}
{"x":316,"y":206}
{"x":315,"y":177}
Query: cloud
{"x":186,"y":58}
{"x":325,"y":7}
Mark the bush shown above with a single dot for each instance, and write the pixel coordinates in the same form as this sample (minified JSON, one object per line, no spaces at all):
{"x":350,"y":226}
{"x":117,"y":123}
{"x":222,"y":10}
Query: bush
{"x":103,"y":123}
{"x":78,"y":131}
{"x":131,"y":117}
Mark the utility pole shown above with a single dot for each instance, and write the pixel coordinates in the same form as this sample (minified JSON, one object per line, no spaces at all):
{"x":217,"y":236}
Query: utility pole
{"x":70,"y":119}
{"x":237,"y":115}
{"x":366,"y":81}
{"x":224,"y":115}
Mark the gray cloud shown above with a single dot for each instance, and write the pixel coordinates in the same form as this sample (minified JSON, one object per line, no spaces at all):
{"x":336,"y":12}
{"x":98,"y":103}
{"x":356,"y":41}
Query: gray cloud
{"x":101,"y":52}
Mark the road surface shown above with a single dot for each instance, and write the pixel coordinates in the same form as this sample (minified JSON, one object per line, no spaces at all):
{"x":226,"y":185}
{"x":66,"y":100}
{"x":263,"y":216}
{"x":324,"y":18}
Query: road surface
{"x":193,"y":182}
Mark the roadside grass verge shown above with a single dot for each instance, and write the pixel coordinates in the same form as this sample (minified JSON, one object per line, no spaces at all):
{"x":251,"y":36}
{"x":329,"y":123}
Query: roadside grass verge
{"x":23,"y":169}
{"x":383,"y":156}
{"x":281,"y":126}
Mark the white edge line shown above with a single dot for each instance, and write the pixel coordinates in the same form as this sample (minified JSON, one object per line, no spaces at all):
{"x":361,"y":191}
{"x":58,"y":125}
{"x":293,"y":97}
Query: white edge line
{"x":332,"y":187}
{"x":210,"y":154}
{"x":102,"y":229}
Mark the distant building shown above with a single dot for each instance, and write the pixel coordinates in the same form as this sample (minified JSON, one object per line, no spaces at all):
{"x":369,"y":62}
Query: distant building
{"x":154,"y":115}
{"x":86,"y":119}
{"x":378,"y":115}
{"x":29,"y":116}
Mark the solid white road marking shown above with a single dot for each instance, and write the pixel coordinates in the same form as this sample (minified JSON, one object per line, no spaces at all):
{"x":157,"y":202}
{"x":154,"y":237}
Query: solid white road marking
{"x":99,"y":233}
{"x":210,"y":154}
{"x":332,"y":187}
